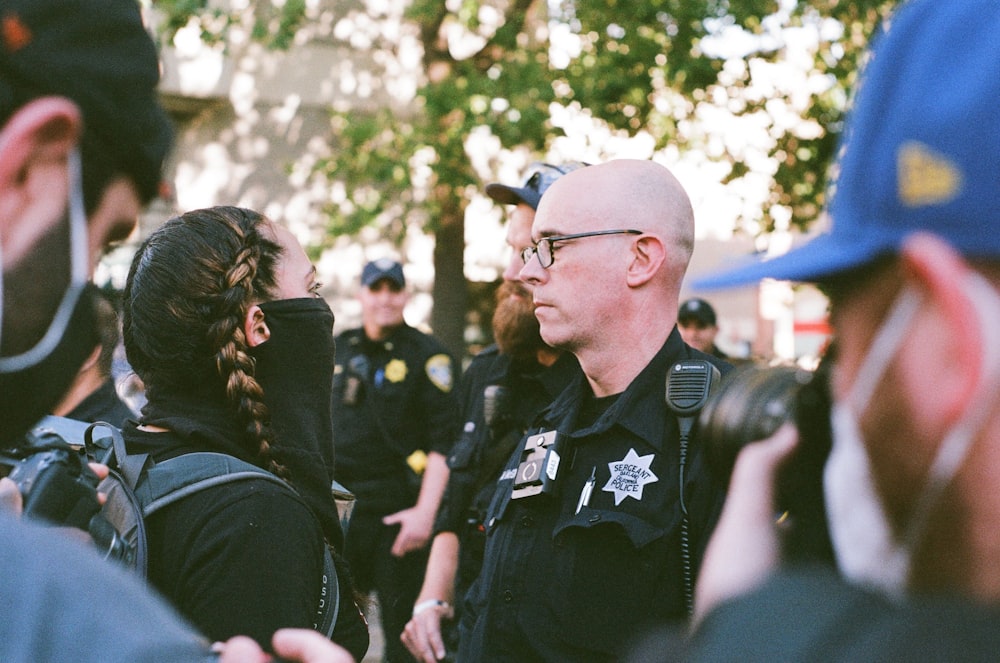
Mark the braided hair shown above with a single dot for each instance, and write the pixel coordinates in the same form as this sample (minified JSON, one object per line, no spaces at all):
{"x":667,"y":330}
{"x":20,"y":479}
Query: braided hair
{"x":187,"y":294}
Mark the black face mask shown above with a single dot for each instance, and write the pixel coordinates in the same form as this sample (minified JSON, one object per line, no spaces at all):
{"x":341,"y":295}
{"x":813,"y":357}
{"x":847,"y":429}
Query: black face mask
{"x":294,"y":367}
{"x":39,"y":364}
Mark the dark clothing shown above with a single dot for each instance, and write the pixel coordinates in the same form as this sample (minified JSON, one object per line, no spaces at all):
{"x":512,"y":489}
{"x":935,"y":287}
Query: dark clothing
{"x":103,"y":404}
{"x":484,"y":447}
{"x":61,"y":603}
{"x":390,"y":399}
{"x":562,"y":585}
{"x":240,"y":558}
{"x":811,"y":614}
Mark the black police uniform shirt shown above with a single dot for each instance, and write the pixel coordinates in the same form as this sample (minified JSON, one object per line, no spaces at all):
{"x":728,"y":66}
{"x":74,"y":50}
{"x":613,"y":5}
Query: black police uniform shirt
{"x":484,"y":447}
{"x":390,"y":398}
{"x":560,"y":583}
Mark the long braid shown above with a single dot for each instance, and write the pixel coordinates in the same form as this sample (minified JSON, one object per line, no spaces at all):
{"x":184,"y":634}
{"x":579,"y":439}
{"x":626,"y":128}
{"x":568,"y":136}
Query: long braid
{"x":233,"y":362}
{"x":188,"y":290}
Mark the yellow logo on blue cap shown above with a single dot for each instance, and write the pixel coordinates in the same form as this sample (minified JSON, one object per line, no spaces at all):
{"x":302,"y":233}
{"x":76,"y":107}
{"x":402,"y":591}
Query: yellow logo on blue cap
{"x":926,"y":177}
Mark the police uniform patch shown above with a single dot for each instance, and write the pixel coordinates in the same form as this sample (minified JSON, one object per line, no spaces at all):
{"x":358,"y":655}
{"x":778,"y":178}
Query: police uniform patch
{"x":438,"y":370}
{"x":395,"y":370}
{"x":629,"y":475}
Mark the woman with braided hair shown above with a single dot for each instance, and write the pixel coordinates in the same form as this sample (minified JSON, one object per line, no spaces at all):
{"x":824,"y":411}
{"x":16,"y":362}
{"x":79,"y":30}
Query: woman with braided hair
{"x":223,"y":323}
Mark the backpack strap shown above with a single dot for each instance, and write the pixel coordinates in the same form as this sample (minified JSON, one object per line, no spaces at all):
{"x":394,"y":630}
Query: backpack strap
{"x":174,"y":479}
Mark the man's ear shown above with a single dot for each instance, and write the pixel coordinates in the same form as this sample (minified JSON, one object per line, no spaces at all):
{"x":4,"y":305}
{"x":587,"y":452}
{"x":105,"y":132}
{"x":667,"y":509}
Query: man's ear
{"x":951,"y":335}
{"x":645,"y":259}
{"x":35,"y":144}
{"x":255,"y":328}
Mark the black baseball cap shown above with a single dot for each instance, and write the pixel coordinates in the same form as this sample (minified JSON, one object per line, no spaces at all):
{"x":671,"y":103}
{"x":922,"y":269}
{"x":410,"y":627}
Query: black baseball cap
{"x":698,"y":311}
{"x":98,"y":54}
{"x":539,"y":178}
{"x":383,"y":268}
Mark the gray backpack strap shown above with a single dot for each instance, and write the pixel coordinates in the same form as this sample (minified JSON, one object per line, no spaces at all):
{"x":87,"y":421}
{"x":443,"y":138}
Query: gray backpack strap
{"x":329,"y":597}
{"x":172,"y":480}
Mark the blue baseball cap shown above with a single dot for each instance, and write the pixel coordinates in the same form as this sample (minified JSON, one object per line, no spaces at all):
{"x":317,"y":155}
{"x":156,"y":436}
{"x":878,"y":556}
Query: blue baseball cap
{"x":539,"y":178}
{"x":920,"y":151}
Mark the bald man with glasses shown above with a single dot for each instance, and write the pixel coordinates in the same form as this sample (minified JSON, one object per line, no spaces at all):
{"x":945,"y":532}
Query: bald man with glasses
{"x":603,"y":511}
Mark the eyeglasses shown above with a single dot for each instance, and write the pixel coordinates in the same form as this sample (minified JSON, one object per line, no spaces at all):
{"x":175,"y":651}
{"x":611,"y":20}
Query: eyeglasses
{"x":546,"y":254}
{"x":543,"y":175}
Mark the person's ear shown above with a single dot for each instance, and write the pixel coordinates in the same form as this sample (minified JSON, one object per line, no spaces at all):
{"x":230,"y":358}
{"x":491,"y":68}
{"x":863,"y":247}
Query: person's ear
{"x":948,"y":337}
{"x":255,"y":328}
{"x":645,"y":258}
{"x":35,"y":144}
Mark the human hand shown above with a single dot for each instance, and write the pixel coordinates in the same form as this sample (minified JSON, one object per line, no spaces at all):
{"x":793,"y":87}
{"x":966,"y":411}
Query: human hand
{"x":10,"y":498}
{"x":422,"y":634}
{"x":291,"y":644}
{"x":745,"y":547}
{"x":414,"y":530}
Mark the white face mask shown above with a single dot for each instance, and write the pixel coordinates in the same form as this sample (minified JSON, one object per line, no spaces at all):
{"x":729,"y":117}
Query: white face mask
{"x":865,"y":546}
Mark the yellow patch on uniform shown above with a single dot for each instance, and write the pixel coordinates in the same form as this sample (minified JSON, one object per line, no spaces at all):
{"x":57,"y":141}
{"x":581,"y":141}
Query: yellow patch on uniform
{"x":395,"y":370}
{"x":438,"y":370}
{"x":926,"y":177}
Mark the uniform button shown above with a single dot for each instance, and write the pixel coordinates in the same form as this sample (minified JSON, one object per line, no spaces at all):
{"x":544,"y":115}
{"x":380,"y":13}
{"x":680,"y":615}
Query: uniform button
{"x":508,"y":596}
{"x":527,"y":521}
{"x":594,"y":518}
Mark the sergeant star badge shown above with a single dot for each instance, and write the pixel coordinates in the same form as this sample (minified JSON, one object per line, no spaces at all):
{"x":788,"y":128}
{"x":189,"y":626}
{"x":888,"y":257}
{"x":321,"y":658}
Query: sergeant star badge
{"x":629,"y":475}
{"x":438,"y":370}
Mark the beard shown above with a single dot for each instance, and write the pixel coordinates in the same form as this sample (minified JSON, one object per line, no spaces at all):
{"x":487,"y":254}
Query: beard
{"x":515,"y":327}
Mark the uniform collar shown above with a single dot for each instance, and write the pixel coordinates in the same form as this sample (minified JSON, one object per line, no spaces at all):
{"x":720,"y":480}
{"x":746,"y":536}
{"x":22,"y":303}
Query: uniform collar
{"x":640,"y":409}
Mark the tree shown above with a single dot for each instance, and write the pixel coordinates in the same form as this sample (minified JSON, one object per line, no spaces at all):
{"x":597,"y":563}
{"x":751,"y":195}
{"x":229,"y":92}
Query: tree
{"x":507,"y":68}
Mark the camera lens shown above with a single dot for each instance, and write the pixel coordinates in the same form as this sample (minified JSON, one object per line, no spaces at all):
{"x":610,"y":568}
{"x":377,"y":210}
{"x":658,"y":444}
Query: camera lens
{"x":749,"y":405}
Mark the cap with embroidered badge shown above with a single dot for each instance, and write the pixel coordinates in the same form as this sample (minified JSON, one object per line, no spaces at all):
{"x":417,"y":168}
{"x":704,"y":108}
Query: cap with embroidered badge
{"x":383,"y":268}
{"x":540,"y":177}
{"x":98,"y":54}
{"x":920,"y":149}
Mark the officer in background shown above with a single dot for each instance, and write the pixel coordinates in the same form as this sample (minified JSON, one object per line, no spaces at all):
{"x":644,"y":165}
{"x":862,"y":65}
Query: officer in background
{"x":394,"y":401}
{"x":503,"y":389}
{"x":601,"y":514}
{"x":698,"y":326}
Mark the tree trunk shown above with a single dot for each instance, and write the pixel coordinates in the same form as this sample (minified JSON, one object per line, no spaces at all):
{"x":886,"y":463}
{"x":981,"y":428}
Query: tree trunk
{"x":449,"y":291}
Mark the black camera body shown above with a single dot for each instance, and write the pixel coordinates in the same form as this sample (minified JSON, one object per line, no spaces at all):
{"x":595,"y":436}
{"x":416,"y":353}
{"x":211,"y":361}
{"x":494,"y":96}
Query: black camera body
{"x":538,"y":470}
{"x":750,"y":405}
{"x":54,"y":480}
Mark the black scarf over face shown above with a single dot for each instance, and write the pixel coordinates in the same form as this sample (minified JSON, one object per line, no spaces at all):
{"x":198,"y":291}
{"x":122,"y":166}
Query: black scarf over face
{"x":295,"y":370}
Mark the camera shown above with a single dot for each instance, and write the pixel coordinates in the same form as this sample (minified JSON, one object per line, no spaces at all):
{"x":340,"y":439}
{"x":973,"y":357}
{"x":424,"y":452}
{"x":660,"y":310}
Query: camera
{"x":53,"y":478}
{"x":58,"y":487}
{"x":751,"y":404}
{"x":539,"y":467}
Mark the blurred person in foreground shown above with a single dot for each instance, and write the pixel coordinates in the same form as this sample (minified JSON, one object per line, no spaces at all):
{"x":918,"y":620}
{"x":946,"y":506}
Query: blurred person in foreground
{"x":502,"y":390}
{"x":911,"y":265}
{"x":577,"y":565}
{"x":82,"y":142}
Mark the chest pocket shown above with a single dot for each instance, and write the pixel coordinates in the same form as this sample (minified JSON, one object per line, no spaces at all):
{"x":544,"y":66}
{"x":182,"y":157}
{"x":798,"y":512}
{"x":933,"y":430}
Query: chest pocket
{"x":611,"y":570}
